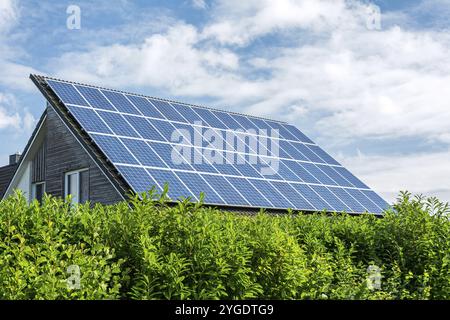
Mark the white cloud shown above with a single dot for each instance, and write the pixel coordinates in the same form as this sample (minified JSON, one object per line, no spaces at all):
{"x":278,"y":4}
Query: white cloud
{"x":12,"y":117}
{"x":162,"y":60}
{"x":425,"y":173}
{"x":13,"y":74}
{"x":16,"y":76}
{"x":7,"y":120}
{"x":8,"y":15}
{"x":199,"y":4}
{"x":238,"y":22}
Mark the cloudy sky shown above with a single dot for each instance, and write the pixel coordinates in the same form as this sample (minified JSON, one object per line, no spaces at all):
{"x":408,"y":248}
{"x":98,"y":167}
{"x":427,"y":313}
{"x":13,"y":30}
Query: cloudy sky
{"x":375,"y":96}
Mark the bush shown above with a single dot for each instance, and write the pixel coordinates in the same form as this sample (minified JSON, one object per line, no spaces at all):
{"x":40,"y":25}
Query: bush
{"x":147,"y":249}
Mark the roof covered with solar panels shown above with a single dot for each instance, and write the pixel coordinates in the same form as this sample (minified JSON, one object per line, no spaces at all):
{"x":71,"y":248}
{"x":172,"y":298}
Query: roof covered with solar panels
{"x":236,"y":160}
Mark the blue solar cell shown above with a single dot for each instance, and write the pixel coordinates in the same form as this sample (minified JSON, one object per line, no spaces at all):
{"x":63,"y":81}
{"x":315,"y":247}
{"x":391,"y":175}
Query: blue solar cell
{"x":137,"y":178}
{"x":210,"y":138}
{"x":89,"y":120}
{"x":312,"y":197}
{"x":230,"y":140}
{"x":252,"y":195}
{"x":177,"y":189}
{"x":329,"y":197}
{"x":227,"y":120}
{"x":243,"y":121}
{"x":317,"y":173}
{"x":197,"y":185}
{"x":218,"y":160}
{"x":165,"y":128}
{"x":67,"y":93}
{"x":300,"y":171}
{"x":114,"y":149}
{"x":268,"y":146}
{"x":225,"y":190}
{"x":298,"y":134}
{"x":247,"y":143}
{"x":186,"y":111}
{"x":271,"y":168}
{"x":168,"y":111}
{"x":271,"y":194}
{"x":311,"y":156}
{"x":145,"y":129}
{"x":143,"y":153}
{"x":287,"y":150}
{"x":117,"y":124}
{"x":95,"y":98}
{"x":145,"y":107}
{"x":201,"y":163}
{"x":322,"y":154}
{"x":263,"y":128}
{"x":354,"y":205}
{"x":333,"y":174}
{"x":245,"y":168}
{"x":282,"y":150}
{"x":173,"y":155}
{"x":350,"y":177}
{"x":227,"y":169}
{"x":376,"y":199}
{"x":224,"y":161}
{"x":366,"y":202}
{"x":282,"y":131}
{"x":175,"y":132}
{"x":286,"y":173}
{"x":210,"y":119}
{"x":294,"y":197}
{"x":121,"y":103}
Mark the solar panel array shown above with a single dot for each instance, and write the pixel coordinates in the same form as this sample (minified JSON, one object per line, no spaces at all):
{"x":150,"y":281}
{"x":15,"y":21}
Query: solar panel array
{"x":137,"y":133}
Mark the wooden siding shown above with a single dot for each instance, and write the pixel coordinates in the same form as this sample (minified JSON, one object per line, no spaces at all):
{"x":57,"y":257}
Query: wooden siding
{"x":38,"y":165}
{"x":64,"y":154}
{"x":6,"y":174}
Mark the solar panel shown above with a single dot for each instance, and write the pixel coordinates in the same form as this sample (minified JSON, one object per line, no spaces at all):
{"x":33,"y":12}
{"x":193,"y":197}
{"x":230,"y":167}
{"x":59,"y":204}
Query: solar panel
{"x":118,"y":124}
{"x":95,"y":98}
{"x":120,"y":102}
{"x":177,"y":188}
{"x":145,"y":107}
{"x":236,"y":160}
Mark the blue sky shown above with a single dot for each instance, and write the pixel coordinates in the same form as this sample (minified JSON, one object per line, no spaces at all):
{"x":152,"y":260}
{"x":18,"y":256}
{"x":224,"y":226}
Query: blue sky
{"x":376,"y":99}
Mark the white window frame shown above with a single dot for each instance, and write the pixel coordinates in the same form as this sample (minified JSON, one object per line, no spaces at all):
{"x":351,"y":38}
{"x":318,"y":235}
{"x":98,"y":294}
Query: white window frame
{"x":33,"y":189}
{"x":66,"y":184}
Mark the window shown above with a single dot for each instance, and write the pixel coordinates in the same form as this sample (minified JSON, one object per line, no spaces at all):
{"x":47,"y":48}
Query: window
{"x":37,"y":191}
{"x":77,"y":185}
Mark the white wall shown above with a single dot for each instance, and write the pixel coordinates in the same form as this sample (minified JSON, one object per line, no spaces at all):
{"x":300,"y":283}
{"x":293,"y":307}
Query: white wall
{"x":24,"y":183}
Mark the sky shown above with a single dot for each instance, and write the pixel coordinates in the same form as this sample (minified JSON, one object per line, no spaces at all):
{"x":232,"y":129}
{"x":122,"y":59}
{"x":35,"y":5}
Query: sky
{"x":371,"y":89}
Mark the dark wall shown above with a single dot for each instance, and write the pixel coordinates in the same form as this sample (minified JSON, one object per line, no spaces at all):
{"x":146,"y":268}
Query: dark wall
{"x":6,"y":174}
{"x":64,"y":153}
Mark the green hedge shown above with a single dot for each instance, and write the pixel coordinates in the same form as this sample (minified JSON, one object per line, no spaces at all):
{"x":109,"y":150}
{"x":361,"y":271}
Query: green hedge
{"x":149,"y":250}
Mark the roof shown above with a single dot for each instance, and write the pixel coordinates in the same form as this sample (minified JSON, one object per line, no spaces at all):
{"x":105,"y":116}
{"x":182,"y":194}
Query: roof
{"x":6,"y":174}
{"x":99,"y":118}
{"x":17,"y":166}
{"x":157,"y":98}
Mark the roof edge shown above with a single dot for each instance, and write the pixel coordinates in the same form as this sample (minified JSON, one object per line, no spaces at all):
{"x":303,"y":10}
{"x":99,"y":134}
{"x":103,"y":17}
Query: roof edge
{"x":160,"y":99}
{"x":117,"y":181}
{"x":25,"y":151}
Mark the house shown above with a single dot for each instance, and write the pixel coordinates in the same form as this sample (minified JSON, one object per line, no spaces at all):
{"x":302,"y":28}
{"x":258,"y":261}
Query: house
{"x":7,"y":172}
{"x":99,"y":145}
